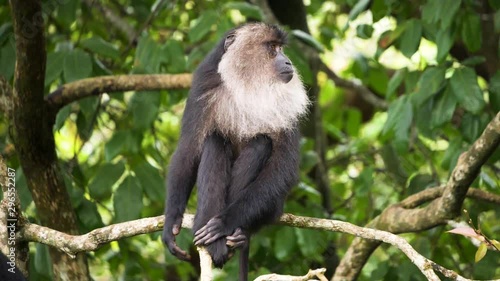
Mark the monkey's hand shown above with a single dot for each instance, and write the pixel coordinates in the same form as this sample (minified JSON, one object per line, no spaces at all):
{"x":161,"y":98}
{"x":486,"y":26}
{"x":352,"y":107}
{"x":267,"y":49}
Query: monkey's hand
{"x":213,"y":230}
{"x":238,"y":239}
{"x":170,"y":230}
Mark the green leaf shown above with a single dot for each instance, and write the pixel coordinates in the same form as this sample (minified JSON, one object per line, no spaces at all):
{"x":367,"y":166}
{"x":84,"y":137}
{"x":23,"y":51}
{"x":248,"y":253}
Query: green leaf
{"x":148,"y":56}
{"x":481,"y":252}
{"x":475,"y":60}
{"x":471,"y":31}
{"x":430,"y":11}
{"x":451,"y":154}
{"x":101,"y":187}
{"x":61,"y":117}
{"x":410,"y":39}
{"x":497,"y":21}
{"x":54,"y":67}
{"x":444,"y":41}
{"x":284,"y":243}
{"x":89,"y":216}
{"x":308,"y":39}
{"x":300,"y":64}
{"x":494,"y":91}
{"x":99,"y":46}
{"x":466,"y":89}
{"x":128,"y":200}
{"x":173,"y":52}
{"x":309,"y":244}
{"x":43,"y":264}
{"x":399,"y":120}
{"x":122,"y":142}
{"x":395,"y":82}
{"x":428,"y":85}
{"x":77,"y":65}
{"x":364,"y":31}
{"x":447,"y":12}
{"x":8,"y":59}
{"x":471,"y":127}
{"x":66,"y":12}
{"x":203,"y":26}
{"x":444,"y":108}
{"x":144,"y":107}
{"x":246,"y":9}
{"x":360,"y":7}
{"x":151,"y":181}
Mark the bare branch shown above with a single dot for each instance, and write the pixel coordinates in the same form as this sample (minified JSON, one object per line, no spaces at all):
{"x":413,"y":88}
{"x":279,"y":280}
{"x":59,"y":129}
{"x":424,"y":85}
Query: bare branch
{"x":319,"y":273}
{"x":98,"y":85}
{"x":73,"y":244}
{"x":354,"y":85}
{"x":430,"y":194}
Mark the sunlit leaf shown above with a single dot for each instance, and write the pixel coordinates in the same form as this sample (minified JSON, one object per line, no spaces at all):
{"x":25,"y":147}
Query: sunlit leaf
{"x":481,"y":252}
{"x":203,"y":25}
{"x":246,"y":9}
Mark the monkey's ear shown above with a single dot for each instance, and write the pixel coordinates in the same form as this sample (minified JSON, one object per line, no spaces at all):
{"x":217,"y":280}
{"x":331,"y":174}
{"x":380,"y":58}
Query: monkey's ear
{"x":229,"y":40}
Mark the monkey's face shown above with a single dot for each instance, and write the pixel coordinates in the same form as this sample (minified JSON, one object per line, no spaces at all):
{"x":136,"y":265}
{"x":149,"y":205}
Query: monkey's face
{"x":254,"y":56}
{"x":282,"y":65}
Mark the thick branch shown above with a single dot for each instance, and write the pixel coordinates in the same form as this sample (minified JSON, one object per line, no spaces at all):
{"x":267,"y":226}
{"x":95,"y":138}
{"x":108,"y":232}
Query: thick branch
{"x":398,"y":218}
{"x":430,"y":194}
{"x":98,"y":85}
{"x":93,"y":240}
{"x":5,"y":96}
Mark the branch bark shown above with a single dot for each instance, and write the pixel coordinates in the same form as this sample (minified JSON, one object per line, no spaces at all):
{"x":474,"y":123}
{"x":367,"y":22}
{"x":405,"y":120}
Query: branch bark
{"x":399,"y":218}
{"x":72,"y":244}
{"x":99,"y":85}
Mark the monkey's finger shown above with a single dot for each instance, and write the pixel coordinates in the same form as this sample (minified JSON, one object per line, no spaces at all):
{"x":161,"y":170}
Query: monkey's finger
{"x":178,"y":252}
{"x":206,"y":238}
{"x":206,"y":229}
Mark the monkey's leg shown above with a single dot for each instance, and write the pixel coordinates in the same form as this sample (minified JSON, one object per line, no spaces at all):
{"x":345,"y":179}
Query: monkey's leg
{"x":260,"y":202}
{"x":212,"y":181}
{"x":181,"y":179}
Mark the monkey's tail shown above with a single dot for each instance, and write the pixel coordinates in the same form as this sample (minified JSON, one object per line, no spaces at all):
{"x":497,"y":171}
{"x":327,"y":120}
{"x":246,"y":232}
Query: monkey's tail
{"x":244,"y":255}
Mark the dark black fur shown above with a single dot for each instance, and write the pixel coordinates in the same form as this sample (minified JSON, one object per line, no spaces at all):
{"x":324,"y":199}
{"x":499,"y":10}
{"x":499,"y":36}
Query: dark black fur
{"x":6,"y":269}
{"x":241,"y":185}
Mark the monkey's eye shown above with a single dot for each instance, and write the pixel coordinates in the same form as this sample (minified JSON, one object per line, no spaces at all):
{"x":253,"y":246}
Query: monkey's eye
{"x":274,"y":49}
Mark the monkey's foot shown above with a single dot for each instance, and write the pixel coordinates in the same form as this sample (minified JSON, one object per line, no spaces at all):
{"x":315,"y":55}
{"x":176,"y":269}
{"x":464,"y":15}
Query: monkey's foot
{"x":238,"y":239}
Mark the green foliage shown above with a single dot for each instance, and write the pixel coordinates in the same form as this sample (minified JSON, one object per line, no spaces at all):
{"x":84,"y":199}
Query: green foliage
{"x":431,"y":63}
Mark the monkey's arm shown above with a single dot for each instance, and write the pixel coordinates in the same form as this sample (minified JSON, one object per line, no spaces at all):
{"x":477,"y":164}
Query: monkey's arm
{"x":181,"y":179}
{"x":261,"y":201}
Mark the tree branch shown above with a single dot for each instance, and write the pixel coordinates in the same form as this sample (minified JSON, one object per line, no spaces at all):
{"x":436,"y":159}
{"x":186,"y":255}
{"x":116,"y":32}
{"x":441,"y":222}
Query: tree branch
{"x":356,"y":86}
{"x":72,"y":244}
{"x":98,"y":85}
{"x":5,"y":96}
{"x":399,"y":219}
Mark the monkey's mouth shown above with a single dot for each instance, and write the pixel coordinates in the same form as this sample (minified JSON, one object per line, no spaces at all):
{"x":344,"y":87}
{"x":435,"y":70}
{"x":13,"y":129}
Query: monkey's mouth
{"x":286,"y":76}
